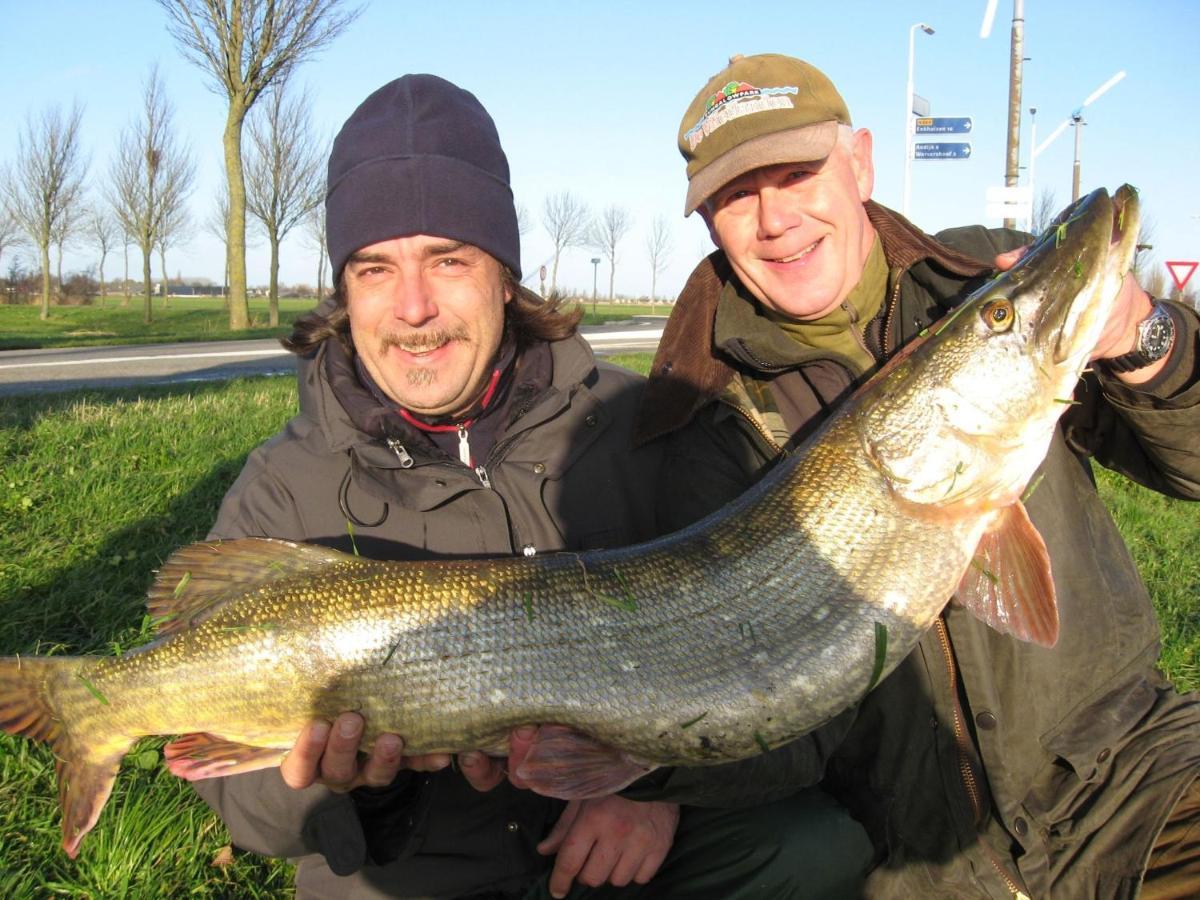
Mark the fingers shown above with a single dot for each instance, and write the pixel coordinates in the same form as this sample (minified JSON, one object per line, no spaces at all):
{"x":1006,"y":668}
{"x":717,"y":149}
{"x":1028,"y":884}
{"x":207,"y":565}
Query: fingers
{"x":384,"y":763}
{"x":519,"y":742}
{"x":299,"y":768}
{"x":550,"y":843}
{"x":481,"y":771}
{"x":1007,"y":260}
{"x":339,"y":762}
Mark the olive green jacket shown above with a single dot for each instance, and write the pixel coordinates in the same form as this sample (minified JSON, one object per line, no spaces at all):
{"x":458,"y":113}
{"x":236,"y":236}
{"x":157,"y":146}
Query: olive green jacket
{"x":983,"y":766}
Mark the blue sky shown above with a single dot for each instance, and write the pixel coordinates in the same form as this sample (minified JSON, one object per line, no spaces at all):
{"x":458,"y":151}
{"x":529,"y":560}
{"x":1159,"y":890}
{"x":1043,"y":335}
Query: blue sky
{"x":588,"y":96}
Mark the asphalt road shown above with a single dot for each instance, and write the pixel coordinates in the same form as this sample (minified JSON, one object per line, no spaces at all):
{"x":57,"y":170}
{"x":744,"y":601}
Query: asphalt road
{"x":39,"y":371}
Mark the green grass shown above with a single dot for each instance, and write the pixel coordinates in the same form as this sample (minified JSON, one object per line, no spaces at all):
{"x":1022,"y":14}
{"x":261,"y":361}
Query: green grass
{"x":183,"y":319}
{"x":97,"y":488}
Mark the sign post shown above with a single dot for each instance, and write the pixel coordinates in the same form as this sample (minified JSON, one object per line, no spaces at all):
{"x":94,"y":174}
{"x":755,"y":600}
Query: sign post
{"x":943,"y":150}
{"x":944,"y":125}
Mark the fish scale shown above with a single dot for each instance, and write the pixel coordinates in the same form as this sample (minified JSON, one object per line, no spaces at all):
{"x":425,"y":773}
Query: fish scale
{"x":742,"y":632}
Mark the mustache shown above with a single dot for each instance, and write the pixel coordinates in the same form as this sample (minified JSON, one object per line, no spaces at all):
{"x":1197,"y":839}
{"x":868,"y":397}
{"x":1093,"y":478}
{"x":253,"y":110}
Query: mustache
{"x":422,"y":341}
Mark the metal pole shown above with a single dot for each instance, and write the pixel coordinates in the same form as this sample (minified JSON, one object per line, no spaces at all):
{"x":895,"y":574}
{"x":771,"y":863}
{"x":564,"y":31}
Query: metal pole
{"x":1013,"y":167}
{"x":595,"y":269}
{"x":908,"y":104}
{"x":1077,"y":118}
{"x":1032,"y":158}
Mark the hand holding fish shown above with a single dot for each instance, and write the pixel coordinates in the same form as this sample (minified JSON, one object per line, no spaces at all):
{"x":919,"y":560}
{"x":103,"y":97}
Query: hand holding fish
{"x":328,"y":755}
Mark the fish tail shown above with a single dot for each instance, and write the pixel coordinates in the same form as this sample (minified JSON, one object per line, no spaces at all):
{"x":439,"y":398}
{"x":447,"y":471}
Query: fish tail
{"x":42,"y":698}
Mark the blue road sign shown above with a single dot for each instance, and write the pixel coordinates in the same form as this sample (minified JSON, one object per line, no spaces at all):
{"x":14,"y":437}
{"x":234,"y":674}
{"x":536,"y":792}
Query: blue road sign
{"x":944,"y":125}
{"x":950,"y":150}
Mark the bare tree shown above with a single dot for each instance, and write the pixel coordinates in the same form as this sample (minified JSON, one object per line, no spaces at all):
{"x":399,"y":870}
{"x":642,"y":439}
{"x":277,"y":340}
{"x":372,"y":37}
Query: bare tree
{"x":45,"y":181}
{"x":217,"y":224}
{"x":175,"y":225}
{"x":63,"y":232}
{"x":607,"y":232}
{"x":246,"y":46}
{"x":11,"y":236}
{"x":283,"y":173}
{"x":566,"y":219}
{"x":523,"y":221}
{"x":1045,"y":208}
{"x":658,"y":248}
{"x":314,"y":229}
{"x":103,"y":232}
{"x":151,"y":172}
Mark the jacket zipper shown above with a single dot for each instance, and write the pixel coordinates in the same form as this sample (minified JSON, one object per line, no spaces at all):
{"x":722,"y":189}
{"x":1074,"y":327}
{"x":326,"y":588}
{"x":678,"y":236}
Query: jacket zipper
{"x":965,"y":768}
{"x":856,"y":329}
{"x":406,"y":461}
{"x":753,"y":422}
{"x":889,"y":314}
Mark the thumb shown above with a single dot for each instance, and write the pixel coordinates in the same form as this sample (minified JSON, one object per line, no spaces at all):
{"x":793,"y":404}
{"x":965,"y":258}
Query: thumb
{"x":1005,"y":261}
{"x":554,"y":839}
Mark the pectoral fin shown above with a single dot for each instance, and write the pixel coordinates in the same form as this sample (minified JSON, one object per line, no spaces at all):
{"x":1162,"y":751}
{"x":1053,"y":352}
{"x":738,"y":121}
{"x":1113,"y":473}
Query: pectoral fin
{"x":197,"y":756}
{"x":570,"y":765}
{"x":1008,"y":584}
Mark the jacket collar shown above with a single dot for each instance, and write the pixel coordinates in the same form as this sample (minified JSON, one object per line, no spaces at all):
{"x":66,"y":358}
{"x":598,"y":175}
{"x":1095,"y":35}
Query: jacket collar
{"x":689,"y":370}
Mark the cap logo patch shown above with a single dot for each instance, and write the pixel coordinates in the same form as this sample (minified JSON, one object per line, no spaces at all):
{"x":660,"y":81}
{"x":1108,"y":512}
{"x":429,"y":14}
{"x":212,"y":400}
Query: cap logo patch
{"x":737,"y":99}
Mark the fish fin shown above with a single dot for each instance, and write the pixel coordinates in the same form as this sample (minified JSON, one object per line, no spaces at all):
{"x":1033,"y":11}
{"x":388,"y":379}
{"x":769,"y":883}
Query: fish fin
{"x":1008,"y":583}
{"x":87,"y":764}
{"x":197,"y":580}
{"x":197,"y":756}
{"x":570,"y":765}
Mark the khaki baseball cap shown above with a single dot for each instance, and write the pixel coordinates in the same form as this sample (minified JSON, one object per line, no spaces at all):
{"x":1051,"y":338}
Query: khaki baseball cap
{"x":758,"y":111}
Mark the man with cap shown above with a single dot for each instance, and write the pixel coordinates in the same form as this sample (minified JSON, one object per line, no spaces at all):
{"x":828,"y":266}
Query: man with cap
{"x":984,"y":766}
{"x":446,"y":410}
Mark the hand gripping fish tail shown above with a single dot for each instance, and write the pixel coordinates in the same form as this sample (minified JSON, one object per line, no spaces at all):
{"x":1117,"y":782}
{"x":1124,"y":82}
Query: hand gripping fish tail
{"x":735,"y":635}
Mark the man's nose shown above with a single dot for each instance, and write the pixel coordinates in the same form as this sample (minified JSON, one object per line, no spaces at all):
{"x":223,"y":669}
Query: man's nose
{"x":413,"y":304}
{"x":774,"y":217}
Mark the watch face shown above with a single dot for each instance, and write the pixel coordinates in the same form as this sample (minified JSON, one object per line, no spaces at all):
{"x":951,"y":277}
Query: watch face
{"x":1156,"y":334}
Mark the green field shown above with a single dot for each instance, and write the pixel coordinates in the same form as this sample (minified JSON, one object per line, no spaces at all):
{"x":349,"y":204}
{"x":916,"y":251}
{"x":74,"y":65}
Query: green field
{"x":97,"y":488}
{"x":184,"y":319}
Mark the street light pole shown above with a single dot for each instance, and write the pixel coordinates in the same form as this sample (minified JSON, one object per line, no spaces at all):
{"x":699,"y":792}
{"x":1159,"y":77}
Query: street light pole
{"x":595,"y":269}
{"x":1032,"y":157}
{"x":1077,"y":120}
{"x":1012,"y":169}
{"x":908,"y":113}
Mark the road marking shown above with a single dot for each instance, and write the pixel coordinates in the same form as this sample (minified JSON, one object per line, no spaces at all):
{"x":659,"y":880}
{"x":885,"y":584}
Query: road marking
{"x":146,"y":358}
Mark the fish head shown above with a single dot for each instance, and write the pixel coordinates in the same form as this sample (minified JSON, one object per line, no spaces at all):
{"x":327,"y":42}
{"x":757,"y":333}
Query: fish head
{"x":963,"y":416}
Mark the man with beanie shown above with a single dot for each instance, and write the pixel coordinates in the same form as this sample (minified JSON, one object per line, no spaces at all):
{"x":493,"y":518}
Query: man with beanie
{"x":447,"y":411}
{"x":983,"y":766}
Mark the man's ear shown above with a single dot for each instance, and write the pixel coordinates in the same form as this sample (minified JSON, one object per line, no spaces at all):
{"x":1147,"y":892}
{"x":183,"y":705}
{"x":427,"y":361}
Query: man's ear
{"x":862,"y":157}
{"x":708,"y":221}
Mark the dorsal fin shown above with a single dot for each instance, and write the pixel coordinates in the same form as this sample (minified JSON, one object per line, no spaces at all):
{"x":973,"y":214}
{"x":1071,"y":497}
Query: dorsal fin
{"x":1008,"y":584}
{"x":198,"y":579}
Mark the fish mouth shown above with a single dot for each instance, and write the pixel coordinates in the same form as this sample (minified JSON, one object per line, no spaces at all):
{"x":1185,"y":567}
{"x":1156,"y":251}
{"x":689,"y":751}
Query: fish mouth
{"x":1080,"y":261}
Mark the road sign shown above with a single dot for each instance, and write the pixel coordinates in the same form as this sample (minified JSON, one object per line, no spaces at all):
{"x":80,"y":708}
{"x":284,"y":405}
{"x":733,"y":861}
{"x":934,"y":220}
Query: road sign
{"x":1177,"y":267}
{"x":950,"y":150}
{"x":944,"y":125}
{"x":1009,"y":202}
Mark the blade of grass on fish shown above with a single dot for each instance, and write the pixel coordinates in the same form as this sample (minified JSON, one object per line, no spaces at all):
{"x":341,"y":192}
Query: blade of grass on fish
{"x":92,"y":689}
{"x":527,"y":600}
{"x":183,"y":583}
{"x":762,"y":743}
{"x":350,"y":531}
{"x":1032,"y":487}
{"x":984,"y":570}
{"x":627,"y":605}
{"x":690,"y":722}
{"x":881,"y":642}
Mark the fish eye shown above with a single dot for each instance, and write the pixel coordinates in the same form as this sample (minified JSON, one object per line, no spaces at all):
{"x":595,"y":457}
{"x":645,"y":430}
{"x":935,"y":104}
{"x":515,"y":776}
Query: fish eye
{"x":999,"y":315}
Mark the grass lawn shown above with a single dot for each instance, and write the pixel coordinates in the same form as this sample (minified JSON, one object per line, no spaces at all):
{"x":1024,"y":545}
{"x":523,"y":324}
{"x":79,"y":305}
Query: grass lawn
{"x":183,"y":319}
{"x":97,"y":488}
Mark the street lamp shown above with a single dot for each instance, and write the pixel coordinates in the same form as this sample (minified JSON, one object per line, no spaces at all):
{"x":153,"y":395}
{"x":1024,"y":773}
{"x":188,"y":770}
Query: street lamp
{"x":908,"y":113}
{"x":1075,"y":118}
{"x":595,"y":269}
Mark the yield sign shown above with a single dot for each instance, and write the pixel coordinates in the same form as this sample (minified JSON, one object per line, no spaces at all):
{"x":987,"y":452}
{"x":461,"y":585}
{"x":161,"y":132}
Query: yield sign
{"x":1181,"y":272}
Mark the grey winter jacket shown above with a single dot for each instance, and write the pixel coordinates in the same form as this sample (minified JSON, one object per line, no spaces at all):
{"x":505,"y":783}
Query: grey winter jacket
{"x":562,"y":475}
{"x":983,"y":766}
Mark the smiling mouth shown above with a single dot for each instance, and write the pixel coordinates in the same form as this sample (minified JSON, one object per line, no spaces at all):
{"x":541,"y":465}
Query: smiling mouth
{"x":795,"y":256}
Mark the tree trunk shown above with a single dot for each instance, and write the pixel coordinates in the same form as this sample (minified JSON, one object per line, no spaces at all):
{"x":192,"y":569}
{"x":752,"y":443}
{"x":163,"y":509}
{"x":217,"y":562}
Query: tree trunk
{"x":125,"y":301}
{"x":653,"y":285}
{"x":239,"y":310}
{"x":58,"y":268}
{"x":554,"y":275}
{"x":273,"y":292}
{"x":45,"y":313}
{"x":148,"y":305}
{"x":612,"y":272}
{"x":320,"y":275}
{"x":162,"y":259}
{"x":102,"y":255}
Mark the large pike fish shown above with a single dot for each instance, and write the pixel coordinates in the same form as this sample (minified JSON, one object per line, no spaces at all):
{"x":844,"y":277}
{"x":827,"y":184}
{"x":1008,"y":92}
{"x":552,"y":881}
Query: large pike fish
{"x":737,"y":634}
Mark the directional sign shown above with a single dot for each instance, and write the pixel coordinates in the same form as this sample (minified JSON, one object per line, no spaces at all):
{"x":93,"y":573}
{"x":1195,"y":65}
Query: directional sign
{"x":951,"y":150}
{"x":1181,"y":272}
{"x":944,"y":125}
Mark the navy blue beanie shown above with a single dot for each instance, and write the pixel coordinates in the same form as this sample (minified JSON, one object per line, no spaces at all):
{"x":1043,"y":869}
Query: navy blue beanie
{"x":420,"y":156}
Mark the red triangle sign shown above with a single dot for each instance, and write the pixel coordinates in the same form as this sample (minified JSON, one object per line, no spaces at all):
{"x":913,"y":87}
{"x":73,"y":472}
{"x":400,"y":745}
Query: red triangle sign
{"x":1181,"y":272}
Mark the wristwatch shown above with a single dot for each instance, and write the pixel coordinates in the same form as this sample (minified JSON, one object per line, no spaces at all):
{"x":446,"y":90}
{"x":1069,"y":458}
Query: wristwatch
{"x":1155,"y":337}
